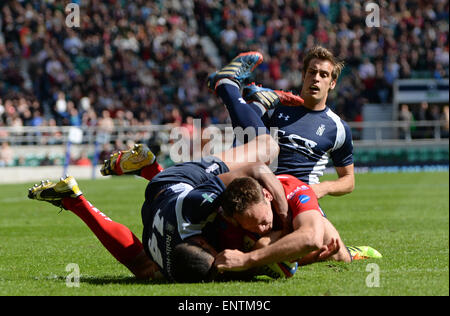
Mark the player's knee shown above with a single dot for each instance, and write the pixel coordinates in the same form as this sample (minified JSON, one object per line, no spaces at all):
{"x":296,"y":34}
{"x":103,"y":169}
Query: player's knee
{"x":268,"y":148}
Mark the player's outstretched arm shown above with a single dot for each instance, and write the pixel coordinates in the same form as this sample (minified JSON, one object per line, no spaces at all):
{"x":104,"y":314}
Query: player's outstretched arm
{"x":307,"y":237}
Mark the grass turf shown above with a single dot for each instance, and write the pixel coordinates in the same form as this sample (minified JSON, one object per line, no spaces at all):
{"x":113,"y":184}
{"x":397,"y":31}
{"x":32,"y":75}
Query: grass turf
{"x":404,"y":216}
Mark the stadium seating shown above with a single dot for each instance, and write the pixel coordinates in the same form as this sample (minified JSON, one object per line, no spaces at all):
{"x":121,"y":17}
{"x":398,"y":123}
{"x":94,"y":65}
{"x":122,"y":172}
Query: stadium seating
{"x":154,"y":65}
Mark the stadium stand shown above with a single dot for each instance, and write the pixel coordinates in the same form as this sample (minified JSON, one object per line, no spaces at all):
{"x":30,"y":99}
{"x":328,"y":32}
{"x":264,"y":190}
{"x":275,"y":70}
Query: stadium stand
{"x":144,"y":63}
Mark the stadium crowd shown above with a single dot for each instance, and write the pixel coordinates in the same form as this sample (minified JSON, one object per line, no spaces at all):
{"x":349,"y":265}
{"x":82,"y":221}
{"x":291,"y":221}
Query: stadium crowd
{"x":144,"y":62}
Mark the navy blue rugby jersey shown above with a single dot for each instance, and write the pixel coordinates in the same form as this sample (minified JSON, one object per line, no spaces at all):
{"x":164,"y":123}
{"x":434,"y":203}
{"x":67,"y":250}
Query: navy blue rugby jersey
{"x":308,"y":139}
{"x":196,"y":207}
{"x":181,"y":211}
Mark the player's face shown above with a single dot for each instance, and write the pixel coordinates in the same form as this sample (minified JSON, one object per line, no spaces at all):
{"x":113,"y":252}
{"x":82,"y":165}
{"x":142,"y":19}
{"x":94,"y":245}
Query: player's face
{"x":317,"y":81}
{"x":258,"y":218}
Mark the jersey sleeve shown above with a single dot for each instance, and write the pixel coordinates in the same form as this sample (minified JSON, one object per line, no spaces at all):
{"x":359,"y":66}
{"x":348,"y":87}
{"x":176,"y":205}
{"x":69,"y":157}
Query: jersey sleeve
{"x":300,"y":196}
{"x":343,"y":156}
{"x":303,"y":201}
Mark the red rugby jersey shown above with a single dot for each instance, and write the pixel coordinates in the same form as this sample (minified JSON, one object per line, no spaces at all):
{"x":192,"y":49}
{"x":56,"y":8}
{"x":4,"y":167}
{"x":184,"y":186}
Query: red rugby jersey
{"x":299,"y":195}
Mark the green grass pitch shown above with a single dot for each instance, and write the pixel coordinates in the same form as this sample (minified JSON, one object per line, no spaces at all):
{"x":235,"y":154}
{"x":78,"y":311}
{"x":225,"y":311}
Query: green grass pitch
{"x":404,"y":216}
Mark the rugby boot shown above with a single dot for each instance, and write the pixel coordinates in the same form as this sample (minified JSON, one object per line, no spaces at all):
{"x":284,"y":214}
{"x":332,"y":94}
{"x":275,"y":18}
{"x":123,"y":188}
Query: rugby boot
{"x":237,"y":70}
{"x":55,"y":192}
{"x":129,"y":161}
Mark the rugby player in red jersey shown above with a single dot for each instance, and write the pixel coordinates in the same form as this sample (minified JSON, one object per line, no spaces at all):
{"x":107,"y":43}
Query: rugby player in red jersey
{"x":182,"y":218}
{"x":312,"y":239}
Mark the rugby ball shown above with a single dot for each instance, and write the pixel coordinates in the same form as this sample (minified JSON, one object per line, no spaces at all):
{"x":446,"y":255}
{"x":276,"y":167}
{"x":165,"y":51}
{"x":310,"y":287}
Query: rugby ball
{"x":277,"y":270}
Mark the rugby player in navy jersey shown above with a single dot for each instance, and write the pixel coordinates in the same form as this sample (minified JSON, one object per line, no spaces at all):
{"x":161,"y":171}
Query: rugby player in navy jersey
{"x":181,"y":237}
{"x":309,"y":132}
{"x":179,"y":203}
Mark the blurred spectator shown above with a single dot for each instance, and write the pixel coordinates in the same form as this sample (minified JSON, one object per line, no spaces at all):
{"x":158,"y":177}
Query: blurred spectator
{"x":2,"y":108}
{"x":424,"y":114}
{"x":445,"y":122}
{"x":61,"y":107}
{"x":366,"y":70}
{"x":83,"y":160}
{"x":46,"y":161}
{"x":6,"y":155}
{"x":406,"y":116}
{"x":434,"y":113}
{"x":228,"y":36}
{"x":150,"y":57}
{"x":391,"y":70}
{"x":106,"y":126}
{"x":105,"y":153}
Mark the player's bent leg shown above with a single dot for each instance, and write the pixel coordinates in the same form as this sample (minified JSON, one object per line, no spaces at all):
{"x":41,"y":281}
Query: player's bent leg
{"x":241,"y":114}
{"x":144,"y":268}
{"x":263,"y":149}
{"x":118,"y":239}
{"x":139,"y":161}
{"x":226,"y":83}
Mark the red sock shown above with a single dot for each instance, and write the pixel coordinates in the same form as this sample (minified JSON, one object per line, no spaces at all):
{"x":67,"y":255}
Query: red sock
{"x":148,"y":172}
{"x":116,"y":238}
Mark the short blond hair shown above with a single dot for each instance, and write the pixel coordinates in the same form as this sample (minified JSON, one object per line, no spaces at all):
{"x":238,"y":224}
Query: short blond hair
{"x":322,"y":53}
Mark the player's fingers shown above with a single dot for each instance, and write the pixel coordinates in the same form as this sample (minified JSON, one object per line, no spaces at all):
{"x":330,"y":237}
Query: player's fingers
{"x":219,"y":259}
{"x":220,"y":268}
{"x":331,"y":245}
{"x":338,"y":245}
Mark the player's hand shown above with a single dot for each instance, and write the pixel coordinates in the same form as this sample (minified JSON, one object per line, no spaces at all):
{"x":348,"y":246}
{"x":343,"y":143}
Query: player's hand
{"x":285,"y":218}
{"x":329,"y":250}
{"x":322,"y":254}
{"x":231,"y":260}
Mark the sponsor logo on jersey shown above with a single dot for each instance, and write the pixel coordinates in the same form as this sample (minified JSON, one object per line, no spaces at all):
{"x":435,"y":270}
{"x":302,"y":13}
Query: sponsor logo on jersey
{"x":304,"y":198}
{"x":281,"y":115}
{"x":208,"y":198}
{"x":320,"y":130}
{"x":297,"y":141}
{"x":300,"y":188}
{"x":212,"y":168}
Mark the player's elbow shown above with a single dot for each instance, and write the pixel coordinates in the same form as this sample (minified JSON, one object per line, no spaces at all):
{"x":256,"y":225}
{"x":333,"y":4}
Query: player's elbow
{"x":350,"y":187}
{"x":313,"y":240}
{"x":346,"y":182}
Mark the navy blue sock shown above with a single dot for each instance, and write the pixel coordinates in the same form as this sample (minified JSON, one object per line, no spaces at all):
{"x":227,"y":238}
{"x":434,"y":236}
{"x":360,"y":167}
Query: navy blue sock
{"x":242,"y":114}
{"x":260,"y":111}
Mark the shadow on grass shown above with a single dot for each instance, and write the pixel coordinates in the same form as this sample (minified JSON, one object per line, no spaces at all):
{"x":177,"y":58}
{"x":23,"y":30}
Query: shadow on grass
{"x":224,"y":278}
{"x":103,"y":280}
{"x":130,"y":280}
{"x":106,"y":279}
